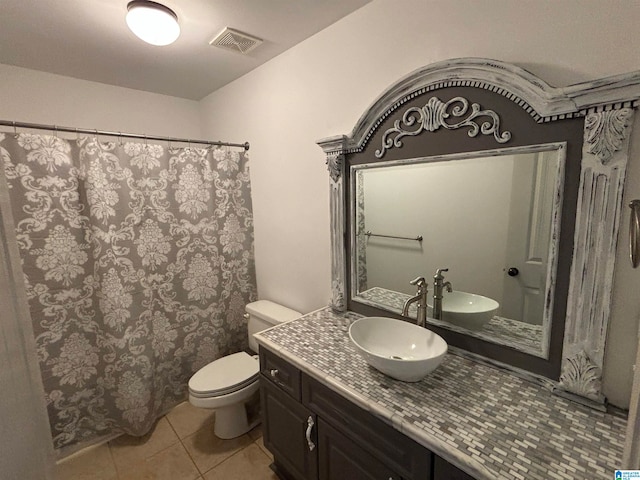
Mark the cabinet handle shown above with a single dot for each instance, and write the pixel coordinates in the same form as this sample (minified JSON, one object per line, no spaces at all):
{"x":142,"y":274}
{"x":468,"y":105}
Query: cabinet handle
{"x":273,"y":372}
{"x":310,"y":425}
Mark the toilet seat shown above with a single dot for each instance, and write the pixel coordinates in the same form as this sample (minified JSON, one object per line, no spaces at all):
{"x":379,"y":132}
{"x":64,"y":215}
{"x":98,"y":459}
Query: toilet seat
{"x":224,"y":376}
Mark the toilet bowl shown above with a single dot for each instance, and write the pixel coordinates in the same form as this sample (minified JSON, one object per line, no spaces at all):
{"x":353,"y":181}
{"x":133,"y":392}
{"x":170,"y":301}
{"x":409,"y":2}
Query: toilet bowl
{"x":228,"y":383}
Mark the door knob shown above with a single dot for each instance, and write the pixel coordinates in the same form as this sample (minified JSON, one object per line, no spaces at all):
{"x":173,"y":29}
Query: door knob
{"x":513,"y":271}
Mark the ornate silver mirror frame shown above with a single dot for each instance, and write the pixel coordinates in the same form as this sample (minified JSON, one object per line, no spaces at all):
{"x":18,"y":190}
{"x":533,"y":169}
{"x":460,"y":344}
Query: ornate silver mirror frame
{"x":607,"y":106}
{"x":527,"y":338}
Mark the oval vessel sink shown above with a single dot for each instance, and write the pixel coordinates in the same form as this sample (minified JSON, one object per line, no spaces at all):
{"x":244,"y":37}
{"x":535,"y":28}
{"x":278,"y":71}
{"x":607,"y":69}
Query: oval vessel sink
{"x":467,"y":310}
{"x":399,"y":349}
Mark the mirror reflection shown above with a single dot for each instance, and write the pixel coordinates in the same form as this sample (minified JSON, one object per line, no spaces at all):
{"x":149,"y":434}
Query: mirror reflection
{"x":481,"y":229}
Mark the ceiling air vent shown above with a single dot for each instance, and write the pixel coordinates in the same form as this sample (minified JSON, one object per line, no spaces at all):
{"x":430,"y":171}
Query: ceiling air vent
{"x":236,"y":41}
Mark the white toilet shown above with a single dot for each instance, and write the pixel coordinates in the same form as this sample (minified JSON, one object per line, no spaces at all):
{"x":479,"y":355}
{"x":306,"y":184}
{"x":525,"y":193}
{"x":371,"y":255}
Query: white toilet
{"x":228,"y":383}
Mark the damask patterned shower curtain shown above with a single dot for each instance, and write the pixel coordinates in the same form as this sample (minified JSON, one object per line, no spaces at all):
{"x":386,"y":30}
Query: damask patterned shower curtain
{"x":138,"y":261}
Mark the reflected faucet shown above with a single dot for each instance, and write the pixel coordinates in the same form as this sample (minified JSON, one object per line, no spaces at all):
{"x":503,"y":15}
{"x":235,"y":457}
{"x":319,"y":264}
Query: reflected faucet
{"x":421,"y":298}
{"x":438,"y":285}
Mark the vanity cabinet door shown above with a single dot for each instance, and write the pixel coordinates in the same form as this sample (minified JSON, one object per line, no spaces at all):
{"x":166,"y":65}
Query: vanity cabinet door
{"x":442,"y":470}
{"x":341,"y":458}
{"x":381,"y":441}
{"x":289,"y":432}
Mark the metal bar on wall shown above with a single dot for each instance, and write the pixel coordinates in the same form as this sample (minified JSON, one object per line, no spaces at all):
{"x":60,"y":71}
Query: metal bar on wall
{"x":417,"y":239}
{"x":86,"y":131}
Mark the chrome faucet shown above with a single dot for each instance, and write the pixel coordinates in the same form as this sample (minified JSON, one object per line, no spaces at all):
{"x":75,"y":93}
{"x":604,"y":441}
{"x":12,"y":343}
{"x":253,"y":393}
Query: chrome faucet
{"x":438,"y":285}
{"x":421,"y":298}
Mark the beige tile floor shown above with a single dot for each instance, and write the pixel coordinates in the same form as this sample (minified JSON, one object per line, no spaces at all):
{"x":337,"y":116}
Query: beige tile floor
{"x":182,"y":446}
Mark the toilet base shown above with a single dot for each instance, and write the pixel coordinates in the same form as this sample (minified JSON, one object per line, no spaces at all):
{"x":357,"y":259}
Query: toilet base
{"x":232,"y":422}
{"x":231,"y":409}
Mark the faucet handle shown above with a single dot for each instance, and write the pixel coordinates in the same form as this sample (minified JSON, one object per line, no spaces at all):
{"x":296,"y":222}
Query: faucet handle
{"x":420,"y":282}
{"x":438,"y":275}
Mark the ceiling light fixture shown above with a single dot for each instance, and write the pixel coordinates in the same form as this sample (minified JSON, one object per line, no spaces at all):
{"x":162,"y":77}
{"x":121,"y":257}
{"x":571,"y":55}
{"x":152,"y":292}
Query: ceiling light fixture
{"x":152,"y":22}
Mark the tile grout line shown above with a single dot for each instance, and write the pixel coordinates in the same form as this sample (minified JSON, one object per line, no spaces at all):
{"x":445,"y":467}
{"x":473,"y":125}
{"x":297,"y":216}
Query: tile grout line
{"x":200,"y":474}
{"x":145,"y":459}
{"x":113,"y":460}
{"x":229,"y":457}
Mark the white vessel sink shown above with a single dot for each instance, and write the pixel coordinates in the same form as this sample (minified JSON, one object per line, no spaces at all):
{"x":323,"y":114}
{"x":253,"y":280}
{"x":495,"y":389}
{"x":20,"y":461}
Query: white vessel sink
{"x":399,"y":349}
{"x":467,"y":310}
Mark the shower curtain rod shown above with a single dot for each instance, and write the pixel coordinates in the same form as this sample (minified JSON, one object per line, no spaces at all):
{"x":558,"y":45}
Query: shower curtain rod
{"x":57,"y":128}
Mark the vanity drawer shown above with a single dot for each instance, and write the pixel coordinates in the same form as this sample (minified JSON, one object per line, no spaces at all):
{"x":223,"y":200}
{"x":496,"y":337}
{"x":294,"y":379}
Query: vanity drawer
{"x":398,"y":452}
{"x":280,"y":372}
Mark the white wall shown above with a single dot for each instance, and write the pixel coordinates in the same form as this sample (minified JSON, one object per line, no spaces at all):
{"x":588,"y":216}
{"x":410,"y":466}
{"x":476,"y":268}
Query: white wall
{"x":321,"y":87}
{"x":38,"y":97}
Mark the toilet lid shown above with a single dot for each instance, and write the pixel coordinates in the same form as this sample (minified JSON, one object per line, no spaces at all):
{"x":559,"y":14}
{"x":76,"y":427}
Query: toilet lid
{"x":225,"y":375}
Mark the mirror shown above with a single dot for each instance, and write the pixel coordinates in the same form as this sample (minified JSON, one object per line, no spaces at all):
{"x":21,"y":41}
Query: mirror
{"x":433,"y":117}
{"x":491,"y":219}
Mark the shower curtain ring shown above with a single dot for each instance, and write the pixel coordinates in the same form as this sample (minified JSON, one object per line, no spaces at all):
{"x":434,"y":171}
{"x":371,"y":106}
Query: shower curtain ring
{"x":55,"y":131}
{"x":77,"y":135}
{"x":15,"y":129}
{"x":119,"y":139}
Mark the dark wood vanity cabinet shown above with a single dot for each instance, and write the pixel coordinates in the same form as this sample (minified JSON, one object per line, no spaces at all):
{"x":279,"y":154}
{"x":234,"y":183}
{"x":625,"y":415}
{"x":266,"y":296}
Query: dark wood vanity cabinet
{"x":445,"y":471}
{"x":339,"y":457}
{"x":315,"y":433}
{"x":284,"y":432}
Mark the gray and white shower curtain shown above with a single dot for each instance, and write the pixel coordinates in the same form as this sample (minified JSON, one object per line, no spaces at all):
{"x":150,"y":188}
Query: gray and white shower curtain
{"x":138,"y":261}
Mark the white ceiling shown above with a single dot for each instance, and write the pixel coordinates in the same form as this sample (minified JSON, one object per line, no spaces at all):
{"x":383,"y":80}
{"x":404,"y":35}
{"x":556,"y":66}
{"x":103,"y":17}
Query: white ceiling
{"x":89,"y":39}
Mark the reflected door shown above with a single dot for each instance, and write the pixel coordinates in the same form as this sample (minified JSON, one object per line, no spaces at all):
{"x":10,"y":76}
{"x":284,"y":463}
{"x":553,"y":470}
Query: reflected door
{"x":528,"y":237}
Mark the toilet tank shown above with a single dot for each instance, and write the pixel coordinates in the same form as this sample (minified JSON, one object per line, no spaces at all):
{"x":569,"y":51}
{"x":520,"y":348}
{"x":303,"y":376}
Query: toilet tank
{"x":264,"y":314}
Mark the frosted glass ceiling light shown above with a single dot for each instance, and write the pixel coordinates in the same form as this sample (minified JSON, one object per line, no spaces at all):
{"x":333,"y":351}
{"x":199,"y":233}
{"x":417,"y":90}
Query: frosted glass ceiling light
{"x":152,"y":22}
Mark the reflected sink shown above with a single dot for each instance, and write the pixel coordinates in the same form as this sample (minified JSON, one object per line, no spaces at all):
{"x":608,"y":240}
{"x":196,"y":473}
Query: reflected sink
{"x":398,"y":349}
{"x":467,"y":310}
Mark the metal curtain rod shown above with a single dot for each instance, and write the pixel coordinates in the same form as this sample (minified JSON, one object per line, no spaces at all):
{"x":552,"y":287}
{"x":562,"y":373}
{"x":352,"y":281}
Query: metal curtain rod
{"x":417,"y":239}
{"x":57,"y":128}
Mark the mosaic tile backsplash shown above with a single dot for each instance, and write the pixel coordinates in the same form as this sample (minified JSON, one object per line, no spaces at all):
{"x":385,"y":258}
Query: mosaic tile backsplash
{"x":484,"y":420}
